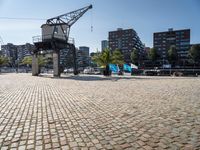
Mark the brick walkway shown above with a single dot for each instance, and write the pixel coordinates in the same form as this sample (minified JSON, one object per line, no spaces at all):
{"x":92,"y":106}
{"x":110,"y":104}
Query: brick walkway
{"x":99,"y":113}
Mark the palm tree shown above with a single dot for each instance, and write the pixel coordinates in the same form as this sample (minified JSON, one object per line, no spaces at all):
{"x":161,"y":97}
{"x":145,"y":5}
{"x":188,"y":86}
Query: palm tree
{"x":42,"y":61}
{"x":104,"y":59}
{"x":3,"y":61}
{"x":27,"y":60}
{"x":117,"y":57}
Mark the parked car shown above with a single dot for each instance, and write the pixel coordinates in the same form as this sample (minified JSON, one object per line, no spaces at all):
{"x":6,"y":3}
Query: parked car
{"x":151,"y":72}
{"x":89,"y":70}
{"x":70,"y":70}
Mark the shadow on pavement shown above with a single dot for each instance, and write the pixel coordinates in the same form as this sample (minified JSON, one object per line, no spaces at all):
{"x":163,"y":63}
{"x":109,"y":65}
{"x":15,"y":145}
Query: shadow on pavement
{"x":89,"y":78}
{"x":111,"y":78}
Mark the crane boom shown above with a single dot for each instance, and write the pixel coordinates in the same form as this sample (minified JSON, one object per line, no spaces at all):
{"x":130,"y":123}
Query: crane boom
{"x":69,"y":18}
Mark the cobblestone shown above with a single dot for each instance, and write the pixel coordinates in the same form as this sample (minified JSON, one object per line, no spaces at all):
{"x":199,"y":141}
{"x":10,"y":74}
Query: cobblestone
{"x":93,"y":112}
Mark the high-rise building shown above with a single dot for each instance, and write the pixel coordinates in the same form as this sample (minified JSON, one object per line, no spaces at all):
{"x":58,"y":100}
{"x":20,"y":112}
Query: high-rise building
{"x":66,"y":57}
{"x":9,"y":50}
{"x":162,"y":41}
{"x":146,"y":51}
{"x":104,"y":44}
{"x":24,"y":50}
{"x":16,"y":52}
{"x":125,"y":40}
{"x":83,"y":58}
{"x":85,"y":51}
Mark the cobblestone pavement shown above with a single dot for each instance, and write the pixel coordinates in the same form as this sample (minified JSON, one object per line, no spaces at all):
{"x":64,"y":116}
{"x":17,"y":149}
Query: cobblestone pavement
{"x":99,"y":113}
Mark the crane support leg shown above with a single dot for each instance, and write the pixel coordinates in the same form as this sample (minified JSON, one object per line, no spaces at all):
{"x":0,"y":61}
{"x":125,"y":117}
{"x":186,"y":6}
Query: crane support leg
{"x":75,"y":63}
{"x":56,"y":63}
{"x":35,"y":67}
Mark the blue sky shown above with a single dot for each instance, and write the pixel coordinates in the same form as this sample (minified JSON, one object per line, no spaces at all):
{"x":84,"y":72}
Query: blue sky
{"x":145,"y":16}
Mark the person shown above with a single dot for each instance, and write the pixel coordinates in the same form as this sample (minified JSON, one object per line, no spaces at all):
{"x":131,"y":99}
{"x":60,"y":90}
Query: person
{"x":120,"y":72}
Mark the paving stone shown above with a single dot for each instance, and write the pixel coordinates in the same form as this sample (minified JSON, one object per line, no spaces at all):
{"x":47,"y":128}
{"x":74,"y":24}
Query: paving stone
{"x":65,"y":147}
{"x":69,"y":113}
{"x":95,"y":141}
{"x":141,"y":143}
{"x":6,"y":148}
{"x":21,"y":147}
{"x":30,"y":146}
{"x":47,"y":146}
{"x":124,"y":146}
{"x":162,"y":145}
{"x":147,"y":147}
{"x":189,"y":147}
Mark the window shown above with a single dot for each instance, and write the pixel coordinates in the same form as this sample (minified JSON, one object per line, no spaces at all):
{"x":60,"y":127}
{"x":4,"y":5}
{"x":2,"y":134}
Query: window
{"x":184,"y":43}
{"x":56,"y":30}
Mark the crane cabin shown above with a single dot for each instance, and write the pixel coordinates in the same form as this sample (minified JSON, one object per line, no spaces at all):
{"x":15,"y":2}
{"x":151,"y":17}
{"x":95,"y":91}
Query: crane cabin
{"x":58,"y":32}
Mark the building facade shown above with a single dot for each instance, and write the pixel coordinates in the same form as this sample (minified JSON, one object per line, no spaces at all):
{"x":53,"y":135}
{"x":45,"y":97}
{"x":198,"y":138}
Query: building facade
{"x":9,"y":50}
{"x":125,"y":40}
{"x":16,"y":52}
{"x":66,"y":57}
{"x":104,"y":44}
{"x":24,"y":50}
{"x":162,"y":41}
{"x":83,"y":58}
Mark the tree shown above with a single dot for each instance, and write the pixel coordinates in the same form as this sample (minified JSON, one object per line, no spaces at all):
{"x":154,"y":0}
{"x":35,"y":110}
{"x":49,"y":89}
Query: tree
{"x":117,"y":57}
{"x":104,"y":59}
{"x":42,"y":61}
{"x":3,"y":61}
{"x":172,"y":54}
{"x":135,"y":56}
{"x":153,"y":55}
{"x":194,"y":53}
{"x":27,"y":60}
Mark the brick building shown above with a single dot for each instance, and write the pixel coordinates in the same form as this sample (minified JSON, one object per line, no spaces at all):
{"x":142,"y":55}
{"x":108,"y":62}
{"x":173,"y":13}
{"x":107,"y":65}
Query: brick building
{"x":162,"y":41}
{"x":125,"y":40}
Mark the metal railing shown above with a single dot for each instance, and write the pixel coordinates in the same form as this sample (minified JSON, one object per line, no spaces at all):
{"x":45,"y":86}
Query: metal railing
{"x":47,"y":37}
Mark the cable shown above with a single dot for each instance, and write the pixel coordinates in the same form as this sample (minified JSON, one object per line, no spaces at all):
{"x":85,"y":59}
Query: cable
{"x":91,"y":20}
{"x":11,"y":18}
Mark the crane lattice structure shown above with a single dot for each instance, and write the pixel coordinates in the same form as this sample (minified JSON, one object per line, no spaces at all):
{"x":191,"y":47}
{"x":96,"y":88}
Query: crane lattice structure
{"x":55,"y":36}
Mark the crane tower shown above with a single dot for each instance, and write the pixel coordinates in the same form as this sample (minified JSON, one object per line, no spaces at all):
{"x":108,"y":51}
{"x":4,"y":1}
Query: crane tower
{"x":55,"y":36}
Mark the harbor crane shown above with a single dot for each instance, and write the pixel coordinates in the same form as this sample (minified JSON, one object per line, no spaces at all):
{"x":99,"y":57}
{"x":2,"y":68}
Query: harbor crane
{"x":55,"y":36}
